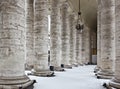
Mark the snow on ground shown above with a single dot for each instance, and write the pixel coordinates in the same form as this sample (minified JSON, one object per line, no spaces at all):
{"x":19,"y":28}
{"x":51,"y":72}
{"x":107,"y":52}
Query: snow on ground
{"x":77,"y":78}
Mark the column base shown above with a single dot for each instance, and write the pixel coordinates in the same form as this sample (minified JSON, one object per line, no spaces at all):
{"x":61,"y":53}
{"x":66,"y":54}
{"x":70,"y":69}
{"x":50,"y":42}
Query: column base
{"x":75,"y":65}
{"x":112,"y":84}
{"x":53,"y":68}
{"x":28,"y":67}
{"x":104,"y":75}
{"x":96,"y":69}
{"x":80,"y":64}
{"x":68,"y":66}
{"x":59,"y":69}
{"x":43,"y":73}
{"x":115,"y":84}
{"x":20,"y":82}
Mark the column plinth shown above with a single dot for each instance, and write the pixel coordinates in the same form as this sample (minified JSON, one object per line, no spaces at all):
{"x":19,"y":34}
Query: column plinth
{"x":16,"y":82}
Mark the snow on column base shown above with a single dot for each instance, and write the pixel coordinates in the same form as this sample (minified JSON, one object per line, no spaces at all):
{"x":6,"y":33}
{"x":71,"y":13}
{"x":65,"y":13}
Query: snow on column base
{"x":59,"y":69}
{"x":80,"y":64}
{"x":56,"y":68}
{"x":19,"y":82}
{"x":96,"y":69}
{"x":43,"y":73}
{"x":68,"y":66}
{"x":75,"y":65}
{"x":115,"y":83}
{"x":104,"y":75}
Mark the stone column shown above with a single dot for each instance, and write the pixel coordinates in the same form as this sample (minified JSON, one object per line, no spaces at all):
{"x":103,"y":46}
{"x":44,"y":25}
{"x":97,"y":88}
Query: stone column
{"x":12,"y":45}
{"x":29,"y":34}
{"x":79,"y":47}
{"x":41,"y":38}
{"x":107,"y":38}
{"x":85,"y":42}
{"x":55,"y":56}
{"x":115,"y":83}
{"x":72,"y":39}
{"x":87,"y":45}
{"x":65,"y":35}
{"x":83,"y":46}
{"x":98,"y":37}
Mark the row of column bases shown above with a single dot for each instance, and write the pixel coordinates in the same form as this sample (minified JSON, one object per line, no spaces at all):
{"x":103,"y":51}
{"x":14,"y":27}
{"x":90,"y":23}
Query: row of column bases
{"x":108,"y":38}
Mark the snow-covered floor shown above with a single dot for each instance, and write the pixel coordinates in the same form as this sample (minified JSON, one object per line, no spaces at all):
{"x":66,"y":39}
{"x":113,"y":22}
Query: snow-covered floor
{"x":77,"y":78}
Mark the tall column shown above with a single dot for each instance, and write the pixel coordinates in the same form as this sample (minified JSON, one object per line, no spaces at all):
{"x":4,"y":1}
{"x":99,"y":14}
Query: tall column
{"x":98,"y":37}
{"x":87,"y":45}
{"x":86,"y":48}
{"x":65,"y":35}
{"x":55,"y":56}
{"x":72,"y":39}
{"x":79,"y":47}
{"x":41,"y":38}
{"x":107,"y":38}
{"x":116,"y":80}
{"x":12,"y":45}
{"x":83,"y":45}
{"x":29,"y":34}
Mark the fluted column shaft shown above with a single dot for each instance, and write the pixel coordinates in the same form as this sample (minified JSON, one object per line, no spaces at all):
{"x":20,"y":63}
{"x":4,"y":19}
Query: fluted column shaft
{"x":55,"y":56}
{"x":12,"y":44}
{"x":29,"y":33}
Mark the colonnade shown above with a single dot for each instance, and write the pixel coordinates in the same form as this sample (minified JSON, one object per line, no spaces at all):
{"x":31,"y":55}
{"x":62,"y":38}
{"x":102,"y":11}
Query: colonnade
{"x":24,"y":40}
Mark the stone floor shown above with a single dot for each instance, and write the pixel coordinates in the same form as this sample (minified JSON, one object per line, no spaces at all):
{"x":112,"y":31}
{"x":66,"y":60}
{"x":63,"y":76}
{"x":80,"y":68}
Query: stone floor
{"x":76,"y":78}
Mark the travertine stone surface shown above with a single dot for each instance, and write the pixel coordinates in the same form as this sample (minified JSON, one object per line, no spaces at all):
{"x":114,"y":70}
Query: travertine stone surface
{"x":116,"y":81}
{"x":99,"y":35}
{"x":65,"y":35}
{"x":12,"y":44}
{"x":79,"y":47}
{"x":41,"y":35}
{"x":83,"y":45}
{"x":29,"y":34}
{"x":72,"y":38}
{"x":55,"y":56}
{"x":87,"y":45}
{"x":107,"y":37}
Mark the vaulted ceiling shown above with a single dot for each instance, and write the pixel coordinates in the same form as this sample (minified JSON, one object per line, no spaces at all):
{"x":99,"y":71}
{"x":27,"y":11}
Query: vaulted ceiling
{"x":89,"y":11}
